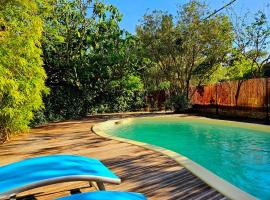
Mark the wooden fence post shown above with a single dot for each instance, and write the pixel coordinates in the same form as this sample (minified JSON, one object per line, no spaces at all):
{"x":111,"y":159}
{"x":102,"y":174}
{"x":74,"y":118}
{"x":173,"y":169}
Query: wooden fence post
{"x":267,"y":99}
{"x":216,"y":99}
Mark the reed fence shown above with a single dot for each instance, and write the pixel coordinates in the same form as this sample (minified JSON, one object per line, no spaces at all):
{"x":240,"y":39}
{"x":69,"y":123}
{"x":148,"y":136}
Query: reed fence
{"x":240,"y":98}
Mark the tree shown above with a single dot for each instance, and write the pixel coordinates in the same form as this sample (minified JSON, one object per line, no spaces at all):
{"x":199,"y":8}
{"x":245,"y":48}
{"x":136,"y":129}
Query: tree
{"x":206,"y":43}
{"x":252,"y":40}
{"x":21,"y":74}
{"x":159,"y":49}
{"x":187,"y":52}
{"x":239,"y":67}
{"x":85,"y":54}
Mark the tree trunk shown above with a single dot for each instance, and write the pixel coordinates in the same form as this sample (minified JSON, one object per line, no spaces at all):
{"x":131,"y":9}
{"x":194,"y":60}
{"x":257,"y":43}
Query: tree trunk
{"x":187,"y":90}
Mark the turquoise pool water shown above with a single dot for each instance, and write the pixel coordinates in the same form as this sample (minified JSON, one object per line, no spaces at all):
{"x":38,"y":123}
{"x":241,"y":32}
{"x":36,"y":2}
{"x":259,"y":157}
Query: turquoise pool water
{"x":240,"y":155}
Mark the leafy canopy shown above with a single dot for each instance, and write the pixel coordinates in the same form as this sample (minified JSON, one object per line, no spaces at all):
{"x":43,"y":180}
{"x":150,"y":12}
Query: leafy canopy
{"x":91,"y":63}
{"x":185,"y":49}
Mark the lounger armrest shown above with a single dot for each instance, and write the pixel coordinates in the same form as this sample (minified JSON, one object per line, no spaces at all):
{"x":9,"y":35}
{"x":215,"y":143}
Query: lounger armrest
{"x":41,"y":171}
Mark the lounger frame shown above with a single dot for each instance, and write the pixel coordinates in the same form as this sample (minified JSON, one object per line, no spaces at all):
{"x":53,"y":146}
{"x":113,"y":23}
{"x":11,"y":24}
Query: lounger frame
{"x":11,"y":194}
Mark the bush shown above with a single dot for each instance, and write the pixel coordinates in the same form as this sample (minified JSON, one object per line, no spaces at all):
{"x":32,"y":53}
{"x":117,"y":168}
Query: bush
{"x":21,"y":74}
{"x":65,"y":103}
{"x":38,"y":119}
{"x":178,"y":103}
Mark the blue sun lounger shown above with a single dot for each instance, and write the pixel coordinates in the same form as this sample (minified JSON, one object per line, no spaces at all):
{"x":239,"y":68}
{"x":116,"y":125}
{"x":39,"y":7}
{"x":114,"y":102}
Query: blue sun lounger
{"x":41,"y":171}
{"x":105,"y":195}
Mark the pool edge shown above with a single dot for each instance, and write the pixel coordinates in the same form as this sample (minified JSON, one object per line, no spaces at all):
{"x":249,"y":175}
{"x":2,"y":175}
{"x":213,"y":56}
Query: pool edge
{"x":207,"y":176}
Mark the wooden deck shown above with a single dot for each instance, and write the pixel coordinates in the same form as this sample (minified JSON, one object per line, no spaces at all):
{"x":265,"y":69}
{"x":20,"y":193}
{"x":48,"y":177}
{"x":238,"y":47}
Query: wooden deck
{"x":141,"y":170}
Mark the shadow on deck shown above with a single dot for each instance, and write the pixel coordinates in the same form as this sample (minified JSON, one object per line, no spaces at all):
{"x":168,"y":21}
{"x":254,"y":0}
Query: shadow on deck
{"x":141,"y":170}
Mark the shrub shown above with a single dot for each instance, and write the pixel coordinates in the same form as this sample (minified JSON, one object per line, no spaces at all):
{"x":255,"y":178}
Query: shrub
{"x":21,"y":73}
{"x":178,"y":103}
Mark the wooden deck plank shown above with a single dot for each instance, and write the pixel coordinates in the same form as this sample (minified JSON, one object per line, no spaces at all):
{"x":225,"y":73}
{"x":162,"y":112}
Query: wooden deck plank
{"x":141,"y":170}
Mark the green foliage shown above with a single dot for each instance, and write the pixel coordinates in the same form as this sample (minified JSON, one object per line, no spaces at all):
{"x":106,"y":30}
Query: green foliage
{"x":240,"y":68}
{"x":64,"y":103}
{"x":178,"y":103}
{"x":92,"y":65}
{"x":159,"y":47}
{"x":266,"y":70}
{"x":21,"y":73}
{"x":252,"y":42}
{"x":184,"y":51}
{"x":127,"y":94}
{"x":165,"y":85}
{"x":38,"y":118}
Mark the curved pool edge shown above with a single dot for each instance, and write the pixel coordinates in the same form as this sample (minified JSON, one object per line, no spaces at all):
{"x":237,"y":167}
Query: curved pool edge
{"x":207,"y":176}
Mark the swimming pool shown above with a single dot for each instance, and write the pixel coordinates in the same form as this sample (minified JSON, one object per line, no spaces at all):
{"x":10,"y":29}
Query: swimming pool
{"x":237,"y":152}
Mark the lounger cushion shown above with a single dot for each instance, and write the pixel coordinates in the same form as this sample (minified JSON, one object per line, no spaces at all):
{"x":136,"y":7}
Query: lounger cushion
{"x":105,"y":195}
{"x":22,"y":175}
